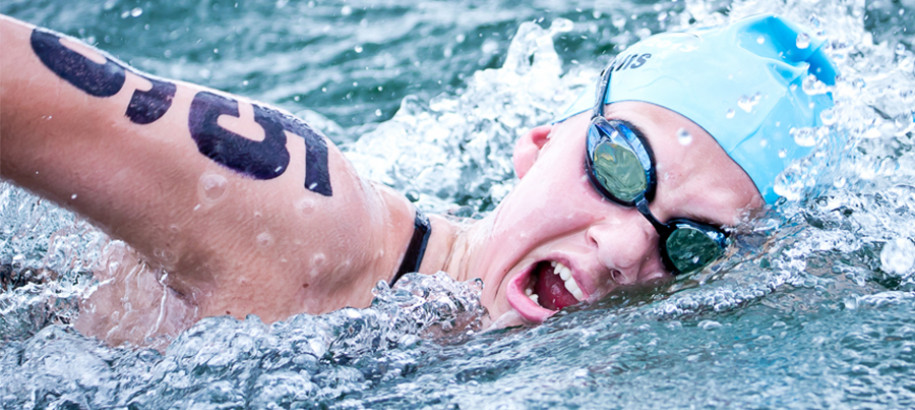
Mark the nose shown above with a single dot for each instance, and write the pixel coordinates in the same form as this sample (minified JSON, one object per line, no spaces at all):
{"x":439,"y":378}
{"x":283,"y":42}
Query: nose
{"x":627,"y":244}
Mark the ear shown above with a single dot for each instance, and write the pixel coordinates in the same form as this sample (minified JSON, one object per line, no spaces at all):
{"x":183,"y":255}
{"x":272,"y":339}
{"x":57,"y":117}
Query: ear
{"x":528,"y":147}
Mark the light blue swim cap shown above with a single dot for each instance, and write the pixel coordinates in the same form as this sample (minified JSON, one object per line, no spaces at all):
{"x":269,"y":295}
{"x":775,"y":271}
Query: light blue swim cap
{"x":742,"y":83}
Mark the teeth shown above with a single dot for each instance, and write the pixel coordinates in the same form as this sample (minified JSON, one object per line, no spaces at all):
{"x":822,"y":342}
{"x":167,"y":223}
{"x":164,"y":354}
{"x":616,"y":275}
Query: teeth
{"x":530,"y":293}
{"x":566,"y":275}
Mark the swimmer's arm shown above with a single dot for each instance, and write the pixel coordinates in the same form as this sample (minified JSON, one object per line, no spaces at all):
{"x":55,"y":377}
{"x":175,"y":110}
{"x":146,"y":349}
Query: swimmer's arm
{"x":233,"y":197}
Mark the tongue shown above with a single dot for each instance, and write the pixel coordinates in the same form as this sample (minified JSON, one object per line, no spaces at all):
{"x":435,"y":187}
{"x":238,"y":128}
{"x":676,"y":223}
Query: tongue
{"x":550,"y":290}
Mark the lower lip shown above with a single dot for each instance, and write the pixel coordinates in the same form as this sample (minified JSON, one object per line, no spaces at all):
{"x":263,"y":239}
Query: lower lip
{"x":519,"y":300}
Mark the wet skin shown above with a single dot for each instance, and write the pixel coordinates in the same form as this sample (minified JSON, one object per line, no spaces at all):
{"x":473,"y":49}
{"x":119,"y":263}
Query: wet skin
{"x":554,"y":214}
{"x":291,"y":227}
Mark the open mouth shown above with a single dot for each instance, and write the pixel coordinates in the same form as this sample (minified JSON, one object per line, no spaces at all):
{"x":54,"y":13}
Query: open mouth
{"x":552,"y":286}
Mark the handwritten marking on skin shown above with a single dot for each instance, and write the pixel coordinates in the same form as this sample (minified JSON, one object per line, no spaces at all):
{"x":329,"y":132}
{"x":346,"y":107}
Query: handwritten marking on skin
{"x":266,"y":159}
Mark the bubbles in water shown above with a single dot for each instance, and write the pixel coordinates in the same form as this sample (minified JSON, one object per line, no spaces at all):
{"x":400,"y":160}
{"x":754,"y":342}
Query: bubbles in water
{"x":684,"y":137}
{"x":803,"y":41}
{"x":211,"y":188}
{"x":898,"y":256}
{"x":790,"y":183}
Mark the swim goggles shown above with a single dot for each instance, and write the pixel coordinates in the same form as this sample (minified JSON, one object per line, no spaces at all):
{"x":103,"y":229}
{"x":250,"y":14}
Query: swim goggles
{"x":620,"y":165}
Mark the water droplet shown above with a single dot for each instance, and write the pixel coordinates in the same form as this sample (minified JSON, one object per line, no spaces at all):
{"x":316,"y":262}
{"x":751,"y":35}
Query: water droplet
{"x":377,"y":112}
{"x":791,"y":182}
{"x":898,"y":256}
{"x":828,"y":116}
{"x":305,"y":205}
{"x":357,"y":49}
{"x":136,"y":12}
{"x":618,"y":21}
{"x":747,"y":103}
{"x":760,"y":40}
{"x":782,"y":153}
{"x":318,"y":260}
{"x":730,"y":113}
{"x":803,"y":41}
{"x":804,"y":136}
{"x":561,"y":25}
{"x":264,"y":240}
{"x":73,"y":196}
{"x":167,"y":257}
{"x":684,"y":137}
{"x":813,"y":86}
{"x":900,"y":49}
{"x":211,"y":187}
{"x":346,"y":11}
{"x":709,"y":325}
{"x":839,"y":182}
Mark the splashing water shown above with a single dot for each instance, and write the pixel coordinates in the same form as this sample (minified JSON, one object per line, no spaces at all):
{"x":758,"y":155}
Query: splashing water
{"x":812,"y":308}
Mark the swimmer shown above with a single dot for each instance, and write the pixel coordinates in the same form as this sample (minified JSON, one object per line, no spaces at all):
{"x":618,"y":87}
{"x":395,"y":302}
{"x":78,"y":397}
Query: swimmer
{"x":251,"y":211}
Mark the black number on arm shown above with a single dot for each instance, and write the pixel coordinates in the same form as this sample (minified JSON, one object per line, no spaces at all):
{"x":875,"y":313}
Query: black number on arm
{"x":317,"y":177}
{"x":101,"y":80}
{"x":148,"y":106}
{"x":265,"y":159}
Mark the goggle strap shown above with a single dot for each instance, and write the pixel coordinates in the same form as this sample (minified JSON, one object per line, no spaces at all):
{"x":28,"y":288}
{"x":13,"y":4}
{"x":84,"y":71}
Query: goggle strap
{"x":642,"y":205}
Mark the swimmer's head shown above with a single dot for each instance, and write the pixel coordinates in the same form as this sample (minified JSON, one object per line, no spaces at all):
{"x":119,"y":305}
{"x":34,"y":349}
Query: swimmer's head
{"x":743,"y":83}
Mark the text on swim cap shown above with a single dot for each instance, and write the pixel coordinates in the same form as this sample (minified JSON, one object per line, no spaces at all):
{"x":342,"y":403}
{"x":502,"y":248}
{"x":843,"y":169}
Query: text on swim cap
{"x":625,"y":62}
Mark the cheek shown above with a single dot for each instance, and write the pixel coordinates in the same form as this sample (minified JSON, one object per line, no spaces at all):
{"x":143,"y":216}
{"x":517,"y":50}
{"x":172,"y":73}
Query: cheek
{"x":548,"y":199}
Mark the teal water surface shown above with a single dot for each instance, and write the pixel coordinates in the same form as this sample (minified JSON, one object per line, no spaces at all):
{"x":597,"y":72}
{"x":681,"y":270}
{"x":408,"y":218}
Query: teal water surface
{"x":814,"y":308}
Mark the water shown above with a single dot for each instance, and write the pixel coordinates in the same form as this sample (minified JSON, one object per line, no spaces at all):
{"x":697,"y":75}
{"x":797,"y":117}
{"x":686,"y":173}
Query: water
{"x":813,"y":309}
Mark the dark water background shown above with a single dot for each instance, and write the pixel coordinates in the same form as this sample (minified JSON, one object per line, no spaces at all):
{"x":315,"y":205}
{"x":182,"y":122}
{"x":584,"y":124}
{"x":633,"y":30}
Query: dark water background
{"x":814,"y":309}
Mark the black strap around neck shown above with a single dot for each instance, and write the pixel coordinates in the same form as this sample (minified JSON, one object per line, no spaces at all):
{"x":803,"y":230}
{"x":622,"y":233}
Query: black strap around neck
{"x":414,"y":256}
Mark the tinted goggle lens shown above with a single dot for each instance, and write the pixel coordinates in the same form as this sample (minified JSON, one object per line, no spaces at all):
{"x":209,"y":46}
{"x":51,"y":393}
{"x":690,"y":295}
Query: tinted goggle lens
{"x":621,"y":168}
{"x":618,"y":170}
{"x":691,"y":248}
{"x":620,"y":165}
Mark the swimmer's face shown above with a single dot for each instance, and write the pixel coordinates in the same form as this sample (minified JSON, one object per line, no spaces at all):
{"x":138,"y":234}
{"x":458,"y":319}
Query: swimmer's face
{"x":554,"y":220}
